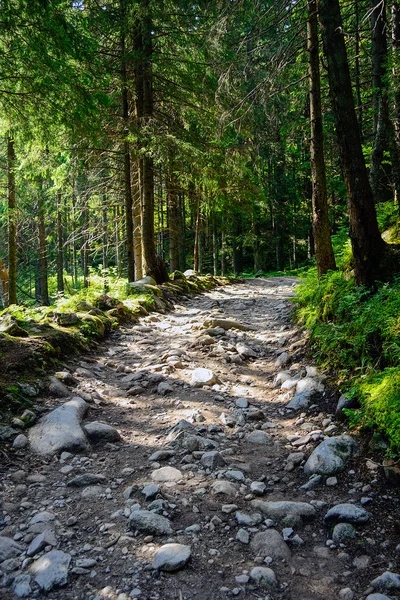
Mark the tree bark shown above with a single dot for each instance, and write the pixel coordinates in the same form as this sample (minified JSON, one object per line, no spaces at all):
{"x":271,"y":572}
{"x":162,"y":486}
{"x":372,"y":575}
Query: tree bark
{"x":152,"y":264}
{"x":12,"y":223}
{"x":196,"y":251}
{"x":367,"y":244}
{"x":43,"y":286}
{"x":324,"y":256}
{"x":174,"y":220}
{"x":60,"y":248}
{"x":130,"y":261}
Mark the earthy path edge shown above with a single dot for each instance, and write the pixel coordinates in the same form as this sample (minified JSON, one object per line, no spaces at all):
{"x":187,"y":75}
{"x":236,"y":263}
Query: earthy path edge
{"x":29,"y":350}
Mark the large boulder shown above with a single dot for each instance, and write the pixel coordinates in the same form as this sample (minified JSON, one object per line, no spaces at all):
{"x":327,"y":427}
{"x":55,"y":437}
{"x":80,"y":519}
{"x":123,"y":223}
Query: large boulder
{"x":60,"y":430}
{"x":331,"y":456}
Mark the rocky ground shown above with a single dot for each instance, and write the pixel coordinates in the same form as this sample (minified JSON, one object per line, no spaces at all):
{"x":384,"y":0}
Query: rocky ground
{"x":195,"y":456}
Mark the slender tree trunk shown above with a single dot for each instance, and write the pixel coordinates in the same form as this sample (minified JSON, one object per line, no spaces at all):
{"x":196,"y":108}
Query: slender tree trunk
{"x":74,"y":234}
{"x":12,"y":223}
{"x":130,"y":263}
{"x":182,"y":242}
{"x":152,"y":264}
{"x":174,"y":221}
{"x":215,"y":245}
{"x":60,"y":247}
{"x":85,"y":242}
{"x":44,"y":289}
{"x":196,"y":251}
{"x":137,"y":222}
{"x":223,"y":253}
{"x":367,"y":244}
{"x":324,"y":256}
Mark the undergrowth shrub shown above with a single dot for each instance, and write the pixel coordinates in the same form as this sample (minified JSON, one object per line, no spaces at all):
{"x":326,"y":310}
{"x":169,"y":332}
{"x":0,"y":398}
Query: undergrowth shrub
{"x":356,"y":334}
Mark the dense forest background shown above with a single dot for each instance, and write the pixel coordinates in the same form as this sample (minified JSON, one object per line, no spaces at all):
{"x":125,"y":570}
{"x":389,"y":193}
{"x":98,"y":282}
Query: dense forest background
{"x":139,"y":136}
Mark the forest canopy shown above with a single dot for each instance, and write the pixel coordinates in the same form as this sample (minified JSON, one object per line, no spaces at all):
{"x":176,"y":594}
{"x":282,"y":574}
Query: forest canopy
{"x":141,"y":137}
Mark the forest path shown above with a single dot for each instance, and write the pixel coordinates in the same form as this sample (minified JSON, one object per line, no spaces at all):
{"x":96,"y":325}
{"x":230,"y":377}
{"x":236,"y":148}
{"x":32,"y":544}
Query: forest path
{"x":140,"y":380}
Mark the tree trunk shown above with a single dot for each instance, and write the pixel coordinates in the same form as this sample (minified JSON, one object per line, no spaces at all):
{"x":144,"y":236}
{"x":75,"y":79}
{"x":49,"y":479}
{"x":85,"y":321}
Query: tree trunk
{"x":12,"y":223}
{"x":182,"y":242}
{"x":44,"y":289}
{"x":395,"y":49}
{"x":324,"y":256}
{"x":130,"y":262}
{"x":152,"y":264}
{"x":196,"y":251}
{"x":359,"y":108}
{"x":60,"y":248}
{"x":137,"y":221}
{"x":174,"y":221}
{"x":223,"y":253}
{"x":367,"y":244}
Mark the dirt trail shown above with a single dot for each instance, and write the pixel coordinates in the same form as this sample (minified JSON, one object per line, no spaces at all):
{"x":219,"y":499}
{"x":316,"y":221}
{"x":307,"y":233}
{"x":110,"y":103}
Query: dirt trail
{"x":140,"y":381}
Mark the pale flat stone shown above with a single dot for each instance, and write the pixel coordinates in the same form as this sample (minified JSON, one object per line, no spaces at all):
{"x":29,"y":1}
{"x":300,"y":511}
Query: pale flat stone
{"x":259,"y":437}
{"x":202,"y":377}
{"x":60,"y":430}
{"x":165,"y":474}
{"x":171,"y":557}
{"x":51,"y":570}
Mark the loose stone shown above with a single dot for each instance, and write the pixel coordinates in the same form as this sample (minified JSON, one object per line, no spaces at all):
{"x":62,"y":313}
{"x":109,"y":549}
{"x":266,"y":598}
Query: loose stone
{"x":171,"y":557}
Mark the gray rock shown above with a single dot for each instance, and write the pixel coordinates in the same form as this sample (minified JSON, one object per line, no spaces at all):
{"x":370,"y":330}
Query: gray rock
{"x":346,"y":513}
{"x":28,"y":390}
{"x":225,"y":487}
{"x":21,"y":585}
{"x":346,"y":594}
{"x":309,"y":386}
{"x":281,"y":510}
{"x":313,"y":482}
{"x":377,"y":597}
{"x":270,"y":543}
{"x":9,"y":548}
{"x":42,"y":517}
{"x":164,"y":388}
{"x":212,"y":460}
{"x":166,"y":474}
{"x":259,"y":437}
{"x":241,"y":402}
{"x":202,"y":377}
{"x":386,"y":581}
{"x":150,"y":491}
{"x":58,"y":389}
{"x":21,"y":441}
{"x":344,"y":402}
{"x":101,"y":432}
{"x":60,"y":430}
{"x":234,"y":475}
{"x":93,"y":492}
{"x":46,"y":538}
{"x":263,"y":576}
{"x":282,"y":360}
{"x":248,"y":519}
{"x":162,"y":455}
{"x":331,"y":456}
{"x":171,"y":557}
{"x":245,"y":351}
{"x":258,"y":488}
{"x":343,"y":533}
{"x":51,"y":570}
{"x":243,"y":536}
{"x":299,"y":401}
{"x":86,"y":479}
{"x":150,"y":523}
{"x":7,"y":433}
{"x":66,"y":319}
{"x":281,"y":377}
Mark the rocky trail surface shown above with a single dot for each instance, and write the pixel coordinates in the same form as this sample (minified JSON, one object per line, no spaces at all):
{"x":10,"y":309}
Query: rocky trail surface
{"x":194,"y":456}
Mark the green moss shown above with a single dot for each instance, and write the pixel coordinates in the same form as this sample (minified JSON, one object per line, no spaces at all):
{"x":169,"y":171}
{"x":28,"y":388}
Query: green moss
{"x":381,"y":403}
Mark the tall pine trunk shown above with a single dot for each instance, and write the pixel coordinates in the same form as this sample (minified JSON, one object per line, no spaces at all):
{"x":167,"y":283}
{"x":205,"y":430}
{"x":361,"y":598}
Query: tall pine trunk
{"x":324,"y":256}
{"x":60,"y":248}
{"x":43,"y":286}
{"x":12,"y":223}
{"x":152,"y":264}
{"x":367,"y":244}
{"x":130,"y":262}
